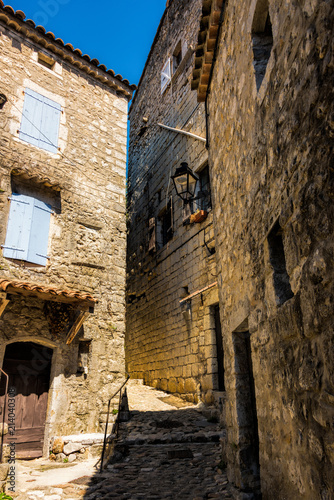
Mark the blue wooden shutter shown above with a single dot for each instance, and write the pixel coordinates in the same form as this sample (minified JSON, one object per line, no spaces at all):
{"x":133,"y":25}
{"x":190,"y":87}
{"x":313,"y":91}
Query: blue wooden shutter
{"x":28,"y":230}
{"x":18,"y":229}
{"x":40,"y":121}
{"x":39,"y":233}
{"x":31,"y":117}
{"x":50,"y":125}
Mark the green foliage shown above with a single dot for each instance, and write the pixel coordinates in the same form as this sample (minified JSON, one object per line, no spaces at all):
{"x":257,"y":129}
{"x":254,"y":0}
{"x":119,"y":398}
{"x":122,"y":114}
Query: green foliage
{"x":65,"y":460}
{"x":3,"y":496}
{"x":114,"y":412}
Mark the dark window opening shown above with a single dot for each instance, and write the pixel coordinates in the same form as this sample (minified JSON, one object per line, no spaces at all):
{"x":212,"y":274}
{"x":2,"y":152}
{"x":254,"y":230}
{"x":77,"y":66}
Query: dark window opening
{"x":262,"y":39}
{"x":83,"y":356}
{"x":203,"y":191}
{"x":220,"y":351}
{"x":177,"y":56}
{"x":277,"y":260}
{"x":167,"y":224}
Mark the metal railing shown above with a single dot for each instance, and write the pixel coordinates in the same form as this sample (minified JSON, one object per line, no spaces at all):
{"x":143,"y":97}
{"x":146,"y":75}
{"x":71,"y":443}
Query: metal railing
{"x":4,"y":413}
{"x":117,"y":419}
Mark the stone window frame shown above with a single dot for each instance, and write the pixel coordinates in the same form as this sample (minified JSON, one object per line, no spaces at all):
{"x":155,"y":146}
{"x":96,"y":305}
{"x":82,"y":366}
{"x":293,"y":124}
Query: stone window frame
{"x":261,"y":92}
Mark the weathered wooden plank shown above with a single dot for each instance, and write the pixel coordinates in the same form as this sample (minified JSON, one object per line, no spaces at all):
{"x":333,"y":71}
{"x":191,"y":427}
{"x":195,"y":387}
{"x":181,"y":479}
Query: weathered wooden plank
{"x":76,"y":327}
{"x":3,"y":305}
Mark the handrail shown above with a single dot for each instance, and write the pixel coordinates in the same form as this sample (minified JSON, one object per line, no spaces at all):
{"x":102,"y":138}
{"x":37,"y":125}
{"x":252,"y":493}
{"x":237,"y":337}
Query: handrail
{"x":4,"y":414}
{"x":107,"y":422}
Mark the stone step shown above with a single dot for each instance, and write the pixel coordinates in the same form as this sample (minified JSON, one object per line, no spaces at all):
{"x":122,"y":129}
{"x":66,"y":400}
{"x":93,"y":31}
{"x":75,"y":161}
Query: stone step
{"x":172,"y":438}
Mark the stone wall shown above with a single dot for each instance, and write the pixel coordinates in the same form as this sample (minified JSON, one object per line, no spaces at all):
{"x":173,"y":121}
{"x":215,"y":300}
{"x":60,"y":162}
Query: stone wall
{"x":271,"y":148}
{"x":85,"y":183}
{"x":169,"y":346}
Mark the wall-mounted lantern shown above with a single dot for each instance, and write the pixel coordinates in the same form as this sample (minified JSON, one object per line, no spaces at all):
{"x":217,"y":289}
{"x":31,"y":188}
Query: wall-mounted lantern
{"x":3,"y":100}
{"x":185,"y":182}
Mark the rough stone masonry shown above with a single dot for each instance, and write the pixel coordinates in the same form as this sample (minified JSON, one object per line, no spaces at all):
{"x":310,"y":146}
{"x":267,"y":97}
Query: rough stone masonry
{"x":83,"y":180}
{"x":271,"y":129}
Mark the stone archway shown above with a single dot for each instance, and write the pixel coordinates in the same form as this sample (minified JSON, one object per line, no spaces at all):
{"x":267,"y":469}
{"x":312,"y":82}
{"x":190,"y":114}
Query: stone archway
{"x":28,"y":365}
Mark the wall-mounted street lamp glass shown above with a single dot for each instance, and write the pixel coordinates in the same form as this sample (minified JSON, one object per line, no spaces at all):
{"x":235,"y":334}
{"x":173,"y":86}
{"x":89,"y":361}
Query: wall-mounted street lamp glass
{"x":185,"y":182}
{"x":3,"y":100}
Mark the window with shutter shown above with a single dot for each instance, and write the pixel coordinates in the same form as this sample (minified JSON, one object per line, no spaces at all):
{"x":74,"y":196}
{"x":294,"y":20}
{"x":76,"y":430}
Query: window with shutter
{"x":28,"y":230}
{"x":166,"y":75}
{"x":167,"y":223}
{"x":151,"y":235}
{"x":40,"y":121}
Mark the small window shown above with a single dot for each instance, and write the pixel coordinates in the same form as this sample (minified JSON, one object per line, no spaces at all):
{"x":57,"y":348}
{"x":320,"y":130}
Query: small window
{"x":177,"y":56}
{"x":262,"y":38}
{"x":166,"y":224}
{"x":203,"y":191}
{"x":40,"y":121}
{"x":166,"y":75}
{"x":28,"y":230}
{"x":151,"y":235}
{"x":46,"y":61}
{"x":277,"y":259}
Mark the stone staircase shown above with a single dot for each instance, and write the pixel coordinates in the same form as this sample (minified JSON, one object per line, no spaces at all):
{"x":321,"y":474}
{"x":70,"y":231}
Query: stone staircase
{"x":172,"y":454}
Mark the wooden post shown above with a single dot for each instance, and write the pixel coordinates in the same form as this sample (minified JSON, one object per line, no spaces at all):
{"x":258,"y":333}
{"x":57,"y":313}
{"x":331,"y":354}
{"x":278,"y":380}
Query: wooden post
{"x":3,"y":302}
{"x":76,"y":327}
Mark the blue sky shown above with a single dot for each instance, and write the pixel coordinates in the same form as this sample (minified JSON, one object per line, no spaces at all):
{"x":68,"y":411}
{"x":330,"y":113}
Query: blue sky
{"x":119,"y":34}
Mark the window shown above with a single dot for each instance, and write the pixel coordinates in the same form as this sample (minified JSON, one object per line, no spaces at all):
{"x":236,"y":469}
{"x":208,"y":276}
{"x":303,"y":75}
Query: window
{"x":28,"y":230}
{"x":45,"y":60}
{"x":277,"y":260}
{"x":177,"y":56}
{"x":167,"y":223}
{"x":166,"y":75}
{"x":262,"y":38}
{"x":164,"y":229}
{"x":203,"y":191}
{"x":151,"y":235}
{"x":40,"y":121}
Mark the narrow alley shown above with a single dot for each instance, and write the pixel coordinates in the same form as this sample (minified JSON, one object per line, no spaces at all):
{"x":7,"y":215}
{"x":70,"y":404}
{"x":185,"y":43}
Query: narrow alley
{"x":168,"y":449}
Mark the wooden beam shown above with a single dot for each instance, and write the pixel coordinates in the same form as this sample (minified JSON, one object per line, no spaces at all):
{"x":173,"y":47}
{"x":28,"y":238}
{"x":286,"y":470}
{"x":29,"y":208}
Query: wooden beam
{"x":3,"y":304}
{"x":83,"y":315}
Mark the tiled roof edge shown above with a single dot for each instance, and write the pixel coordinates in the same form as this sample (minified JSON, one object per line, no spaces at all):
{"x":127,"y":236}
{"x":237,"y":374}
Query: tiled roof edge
{"x":16,"y":20}
{"x":212,"y":12}
{"x":6,"y":283}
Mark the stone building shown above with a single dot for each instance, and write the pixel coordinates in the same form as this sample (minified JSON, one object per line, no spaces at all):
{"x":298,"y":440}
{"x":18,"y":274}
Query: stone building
{"x":172,"y":295}
{"x":263,"y":74}
{"x":62,"y":232}
{"x":265,"y":70}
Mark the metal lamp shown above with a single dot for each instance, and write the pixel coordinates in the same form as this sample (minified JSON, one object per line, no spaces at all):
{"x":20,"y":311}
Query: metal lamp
{"x":185,"y":182}
{"x":3,"y":100}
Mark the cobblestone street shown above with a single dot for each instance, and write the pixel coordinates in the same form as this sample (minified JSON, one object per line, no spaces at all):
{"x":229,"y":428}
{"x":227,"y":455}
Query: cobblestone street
{"x":168,"y":449}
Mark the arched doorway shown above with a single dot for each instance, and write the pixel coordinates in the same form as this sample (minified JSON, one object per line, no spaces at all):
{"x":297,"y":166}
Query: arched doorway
{"x":28,"y":366}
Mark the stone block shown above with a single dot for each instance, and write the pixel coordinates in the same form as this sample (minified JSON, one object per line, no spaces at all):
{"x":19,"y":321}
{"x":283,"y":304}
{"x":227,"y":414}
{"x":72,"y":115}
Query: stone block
{"x":172,"y":385}
{"x":72,"y":448}
{"x":58,"y":445}
{"x":4,"y":468}
{"x":71,"y":458}
{"x":190,"y":385}
{"x":60,"y":457}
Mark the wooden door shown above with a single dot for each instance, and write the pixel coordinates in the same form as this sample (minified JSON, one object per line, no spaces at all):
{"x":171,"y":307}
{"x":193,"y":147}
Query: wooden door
{"x":28,"y":366}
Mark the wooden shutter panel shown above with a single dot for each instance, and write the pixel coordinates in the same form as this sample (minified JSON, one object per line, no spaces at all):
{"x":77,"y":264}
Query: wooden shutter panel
{"x":40,"y":121}
{"x":152,"y":235}
{"x":166,"y":75}
{"x":50,"y":126}
{"x":39,"y":233}
{"x":31,"y":117}
{"x":18,"y":228}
